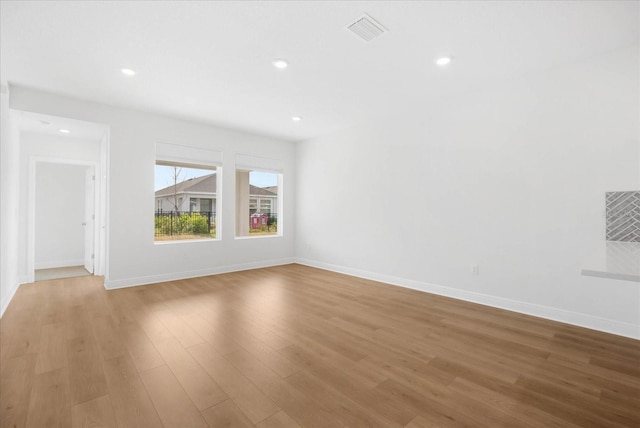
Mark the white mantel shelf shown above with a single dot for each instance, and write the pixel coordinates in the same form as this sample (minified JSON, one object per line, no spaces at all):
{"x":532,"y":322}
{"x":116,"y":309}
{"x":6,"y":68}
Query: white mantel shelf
{"x":615,"y":260}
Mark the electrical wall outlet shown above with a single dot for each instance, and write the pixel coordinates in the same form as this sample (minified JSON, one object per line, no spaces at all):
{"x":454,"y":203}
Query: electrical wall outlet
{"x":475,"y":269}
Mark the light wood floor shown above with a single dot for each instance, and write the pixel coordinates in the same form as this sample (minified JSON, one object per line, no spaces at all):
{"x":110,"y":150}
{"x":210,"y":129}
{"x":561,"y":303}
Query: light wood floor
{"x":293,"y":346}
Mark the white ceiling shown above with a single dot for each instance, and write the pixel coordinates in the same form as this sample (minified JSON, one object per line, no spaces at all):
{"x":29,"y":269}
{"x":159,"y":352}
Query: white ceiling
{"x":51,"y":125}
{"x":211,"y":61}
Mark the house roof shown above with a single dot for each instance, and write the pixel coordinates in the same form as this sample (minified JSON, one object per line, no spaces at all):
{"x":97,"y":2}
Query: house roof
{"x":272,"y":189}
{"x":260,"y":191}
{"x":207,"y":184}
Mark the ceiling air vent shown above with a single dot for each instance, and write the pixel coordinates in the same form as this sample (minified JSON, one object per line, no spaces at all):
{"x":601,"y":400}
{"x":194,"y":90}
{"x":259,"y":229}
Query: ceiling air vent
{"x":366,"y":28}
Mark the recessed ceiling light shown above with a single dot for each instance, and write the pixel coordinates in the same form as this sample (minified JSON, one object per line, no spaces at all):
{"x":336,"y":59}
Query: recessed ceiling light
{"x":296,"y":118}
{"x":280,"y":63}
{"x":442,"y":61}
{"x":64,"y":131}
{"x":128,"y":72}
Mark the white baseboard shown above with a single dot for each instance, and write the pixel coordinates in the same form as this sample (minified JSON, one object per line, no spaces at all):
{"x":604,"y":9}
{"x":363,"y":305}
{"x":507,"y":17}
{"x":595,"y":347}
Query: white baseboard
{"x":555,"y":314}
{"x":5,"y":303}
{"x":59,"y":264}
{"x":173,"y":276}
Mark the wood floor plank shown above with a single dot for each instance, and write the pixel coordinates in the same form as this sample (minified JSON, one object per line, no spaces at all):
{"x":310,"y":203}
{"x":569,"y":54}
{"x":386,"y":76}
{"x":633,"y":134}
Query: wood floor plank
{"x":78,"y":323}
{"x":600,"y":372}
{"x":429,"y":405}
{"x":221,"y":342}
{"x":296,"y":346}
{"x":121,"y":307}
{"x":296,"y":403}
{"x":49,"y":404}
{"x":86,"y":375}
{"x":24,"y":336}
{"x":96,"y":413}
{"x":125,"y":308}
{"x":142,"y":351}
{"x":267,"y":355}
{"x":13,"y":323}
{"x":378,"y":401}
{"x":131,"y":403}
{"x":309,"y":346}
{"x":52,"y":311}
{"x":348,"y":411}
{"x":16,"y":375}
{"x":279,"y":420}
{"x":624,"y":399}
{"x":5,"y":340}
{"x":444,"y":350}
{"x":170,"y":400}
{"x":422,"y":422}
{"x":179,"y":329}
{"x":253,"y":402}
{"x":202,"y":390}
{"x":257,"y":329}
{"x":226,"y":415}
{"x":108,"y":337}
{"x":578,"y":400}
{"x":95,"y":301}
{"x":513,"y":406}
{"x":152,"y":326}
{"x":407,"y":370}
{"x":566,"y":413}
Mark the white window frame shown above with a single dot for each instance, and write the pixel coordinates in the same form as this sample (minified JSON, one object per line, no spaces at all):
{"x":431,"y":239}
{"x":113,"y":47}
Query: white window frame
{"x":193,"y":157}
{"x":246,"y":162}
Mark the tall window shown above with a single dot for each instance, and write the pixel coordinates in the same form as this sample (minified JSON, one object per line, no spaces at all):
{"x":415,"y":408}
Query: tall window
{"x":184,"y":196}
{"x":186,"y":193}
{"x":258,"y":196}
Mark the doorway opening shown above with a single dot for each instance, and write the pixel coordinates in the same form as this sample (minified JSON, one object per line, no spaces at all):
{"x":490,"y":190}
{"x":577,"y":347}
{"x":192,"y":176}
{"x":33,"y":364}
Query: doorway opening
{"x":64,"y":213}
{"x":64,"y":220}
{"x":66,"y":196}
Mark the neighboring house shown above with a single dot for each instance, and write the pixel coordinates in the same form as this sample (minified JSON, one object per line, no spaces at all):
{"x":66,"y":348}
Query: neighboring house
{"x":199,"y":195}
{"x":262,"y":200}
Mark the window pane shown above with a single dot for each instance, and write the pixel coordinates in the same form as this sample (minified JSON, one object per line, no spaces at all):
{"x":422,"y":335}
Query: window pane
{"x":257,"y":196}
{"x":185,"y":202}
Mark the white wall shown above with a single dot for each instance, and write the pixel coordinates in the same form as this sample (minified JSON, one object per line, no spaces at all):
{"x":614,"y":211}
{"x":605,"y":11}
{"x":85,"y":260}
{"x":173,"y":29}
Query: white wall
{"x":9,"y":174}
{"x":59,"y":215}
{"x":511,"y":178}
{"x":133,"y":257}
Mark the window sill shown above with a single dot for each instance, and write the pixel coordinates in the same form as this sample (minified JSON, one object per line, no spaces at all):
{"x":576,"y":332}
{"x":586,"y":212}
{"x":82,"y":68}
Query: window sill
{"x":184,"y":241}
{"x":244,"y":238}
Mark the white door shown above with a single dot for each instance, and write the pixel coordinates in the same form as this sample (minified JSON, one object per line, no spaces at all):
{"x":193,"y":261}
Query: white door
{"x":89,"y":219}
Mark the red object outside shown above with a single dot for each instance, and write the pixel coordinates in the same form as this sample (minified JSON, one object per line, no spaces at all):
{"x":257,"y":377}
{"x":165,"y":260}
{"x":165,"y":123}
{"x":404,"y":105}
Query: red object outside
{"x":258,"y":220}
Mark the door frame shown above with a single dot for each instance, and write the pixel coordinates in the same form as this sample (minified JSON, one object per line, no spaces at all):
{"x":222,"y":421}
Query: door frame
{"x":89,"y":219}
{"x":99,"y":205}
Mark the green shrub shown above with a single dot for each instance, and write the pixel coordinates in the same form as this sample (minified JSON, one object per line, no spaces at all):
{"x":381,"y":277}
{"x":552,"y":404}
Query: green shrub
{"x":182,"y":224}
{"x":198,"y":223}
{"x":163,"y":225}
